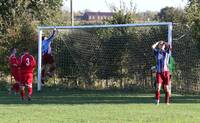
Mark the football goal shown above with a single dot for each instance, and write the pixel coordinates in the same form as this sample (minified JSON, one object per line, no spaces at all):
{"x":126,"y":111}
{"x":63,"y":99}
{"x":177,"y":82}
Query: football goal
{"x":119,"y":54}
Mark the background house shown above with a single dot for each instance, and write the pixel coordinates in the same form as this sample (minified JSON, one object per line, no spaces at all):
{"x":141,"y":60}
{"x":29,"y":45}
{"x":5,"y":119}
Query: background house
{"x":96,"y":16}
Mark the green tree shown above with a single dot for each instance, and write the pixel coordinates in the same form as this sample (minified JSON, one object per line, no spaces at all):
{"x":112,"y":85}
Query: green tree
{"x":193,"y":15}
{"x":122,"y":14}
{"x":18,"y":22}
{"x":112,"y":60}
{"x":40,"y":10}
{"x":171,"y":14}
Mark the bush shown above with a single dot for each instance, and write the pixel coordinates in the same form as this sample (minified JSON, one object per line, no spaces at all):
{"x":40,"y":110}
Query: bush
{"x":4,"y":86}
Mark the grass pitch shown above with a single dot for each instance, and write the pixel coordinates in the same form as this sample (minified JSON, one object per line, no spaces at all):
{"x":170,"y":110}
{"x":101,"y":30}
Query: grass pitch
{"x":76,"y":106}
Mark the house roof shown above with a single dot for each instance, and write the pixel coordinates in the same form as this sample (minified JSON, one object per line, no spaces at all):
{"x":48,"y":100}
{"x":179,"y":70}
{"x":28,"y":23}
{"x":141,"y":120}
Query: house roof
{"x":99,"y":13}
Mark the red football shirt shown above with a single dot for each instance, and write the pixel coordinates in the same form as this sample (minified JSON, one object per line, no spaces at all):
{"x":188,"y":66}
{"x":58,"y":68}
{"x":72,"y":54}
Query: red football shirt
{"x":27,"y":63}
{"x":13,"y":64}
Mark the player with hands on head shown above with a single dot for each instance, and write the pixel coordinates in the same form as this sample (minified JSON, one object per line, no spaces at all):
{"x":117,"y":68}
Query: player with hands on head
{"x":162,"y":53}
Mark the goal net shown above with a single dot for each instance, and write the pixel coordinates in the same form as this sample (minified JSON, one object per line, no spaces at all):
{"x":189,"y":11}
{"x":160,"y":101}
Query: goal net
{"x":114,"y":55}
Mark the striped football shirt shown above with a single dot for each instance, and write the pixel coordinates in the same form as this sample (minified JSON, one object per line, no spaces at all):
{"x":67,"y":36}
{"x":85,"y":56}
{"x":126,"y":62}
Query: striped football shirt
{"x":162,"y":60}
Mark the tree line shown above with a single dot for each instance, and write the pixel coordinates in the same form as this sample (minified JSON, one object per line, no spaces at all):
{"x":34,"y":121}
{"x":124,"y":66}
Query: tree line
{"x":19,"y":20}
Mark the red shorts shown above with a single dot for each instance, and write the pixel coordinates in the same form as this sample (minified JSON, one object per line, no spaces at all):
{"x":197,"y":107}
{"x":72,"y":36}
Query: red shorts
{"x":47,"y":59}
{"x":26,"y":79}
{"x":163,"y":78}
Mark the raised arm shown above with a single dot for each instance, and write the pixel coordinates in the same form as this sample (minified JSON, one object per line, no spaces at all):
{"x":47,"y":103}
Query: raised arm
{"x":167,"y":48}
{"x":155,"y":45}
{"x":53,"y":35}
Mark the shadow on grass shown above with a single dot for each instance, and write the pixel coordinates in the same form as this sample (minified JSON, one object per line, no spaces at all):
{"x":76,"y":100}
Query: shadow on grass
{"x":92,"y":97}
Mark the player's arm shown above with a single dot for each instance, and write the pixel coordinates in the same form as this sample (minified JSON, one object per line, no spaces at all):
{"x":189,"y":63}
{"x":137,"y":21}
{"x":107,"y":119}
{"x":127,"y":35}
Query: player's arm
{"x":12,"y":62}
{"x":19,"y":61}
{"x":155,"y":45}
{"x":53,"y":35}
{"x":168,"y":48}
{"x":16,"y":63}
{"x":34,"y":62}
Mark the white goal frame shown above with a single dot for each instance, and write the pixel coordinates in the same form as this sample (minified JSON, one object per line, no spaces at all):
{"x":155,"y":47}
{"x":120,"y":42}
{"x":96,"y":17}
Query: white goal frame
{"x":41,"y":28}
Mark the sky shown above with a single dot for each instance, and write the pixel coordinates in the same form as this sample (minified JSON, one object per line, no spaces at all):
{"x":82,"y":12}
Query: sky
{"x":141,"y":5}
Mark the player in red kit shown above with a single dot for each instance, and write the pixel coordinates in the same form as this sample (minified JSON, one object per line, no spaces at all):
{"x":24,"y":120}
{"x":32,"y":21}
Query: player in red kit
{"x":27,"y":65}
{"x":15,"y":70}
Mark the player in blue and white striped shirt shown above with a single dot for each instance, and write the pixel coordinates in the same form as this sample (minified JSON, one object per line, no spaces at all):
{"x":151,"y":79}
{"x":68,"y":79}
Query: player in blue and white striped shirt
{"x":162,"y":53}
{"x":47,"y":58}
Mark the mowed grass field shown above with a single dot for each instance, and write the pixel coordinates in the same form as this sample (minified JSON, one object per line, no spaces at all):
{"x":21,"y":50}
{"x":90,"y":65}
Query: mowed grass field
{"x":76,"y":106}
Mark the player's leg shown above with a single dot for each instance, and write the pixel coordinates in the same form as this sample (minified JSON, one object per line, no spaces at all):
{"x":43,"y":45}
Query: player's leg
{"x":170,"y":87}
{"x":23,"y":79}
{"x":52,"y":65}
{"x":29,"y":85}
{"x":16,"y":85}
{"x":11,"y":89}
{"x":167,"y":88}
{"x":49,"y":66}
{"x":167,"y":94}
{"x":158,"y":93}
{"x":51,"y":69}
{"x":159,"y":83}
{"x":44,"y":67}
{"x":30,"y":91}
{"x":43,"y":74}
{"x":22,"y":89}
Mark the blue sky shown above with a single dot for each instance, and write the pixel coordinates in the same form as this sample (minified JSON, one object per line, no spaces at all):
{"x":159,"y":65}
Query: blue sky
{"x":141,"y":5}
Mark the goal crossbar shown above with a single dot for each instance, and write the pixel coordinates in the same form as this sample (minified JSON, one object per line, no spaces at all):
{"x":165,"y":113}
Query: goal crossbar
{"x":106,"y":26}
{"x":41,"y":28}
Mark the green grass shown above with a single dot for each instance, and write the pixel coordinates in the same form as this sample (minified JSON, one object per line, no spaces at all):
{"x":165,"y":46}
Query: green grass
{"x":75,"y":106}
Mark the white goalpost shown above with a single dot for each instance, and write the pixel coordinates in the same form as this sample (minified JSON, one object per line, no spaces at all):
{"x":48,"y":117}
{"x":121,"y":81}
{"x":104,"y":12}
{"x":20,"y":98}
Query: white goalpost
{"x":169,"y":26}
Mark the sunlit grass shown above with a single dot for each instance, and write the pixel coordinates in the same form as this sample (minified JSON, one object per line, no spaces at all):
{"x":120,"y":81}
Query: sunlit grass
{"x":75,"y":106}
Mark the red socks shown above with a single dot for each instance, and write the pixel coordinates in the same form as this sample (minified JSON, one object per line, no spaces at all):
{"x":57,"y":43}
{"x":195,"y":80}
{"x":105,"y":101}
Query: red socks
{"x":167,"y":97}
{"x":157,"y":95}
{"x":30,"y":91}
